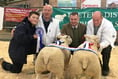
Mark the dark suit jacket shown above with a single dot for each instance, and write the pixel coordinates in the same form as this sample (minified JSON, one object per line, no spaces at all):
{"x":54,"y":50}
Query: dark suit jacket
{"x":68,"y":30}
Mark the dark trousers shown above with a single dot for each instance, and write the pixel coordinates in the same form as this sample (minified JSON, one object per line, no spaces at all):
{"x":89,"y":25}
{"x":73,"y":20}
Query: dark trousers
{"x":14,"y":68}
{"x":106,"y":52}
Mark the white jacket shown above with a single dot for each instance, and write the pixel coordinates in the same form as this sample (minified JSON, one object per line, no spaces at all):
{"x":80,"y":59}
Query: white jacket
{"x":106,"y":32}
{"x":52,"y":31}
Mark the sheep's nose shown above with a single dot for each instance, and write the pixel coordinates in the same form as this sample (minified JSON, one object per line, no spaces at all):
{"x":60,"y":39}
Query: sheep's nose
{"x":58,"y":38}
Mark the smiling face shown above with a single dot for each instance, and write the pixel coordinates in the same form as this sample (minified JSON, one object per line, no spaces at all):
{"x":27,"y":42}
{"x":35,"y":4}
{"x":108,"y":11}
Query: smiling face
{"x":74,"y":19}
{"x":33,"y":19}
{"x":47,"y":11}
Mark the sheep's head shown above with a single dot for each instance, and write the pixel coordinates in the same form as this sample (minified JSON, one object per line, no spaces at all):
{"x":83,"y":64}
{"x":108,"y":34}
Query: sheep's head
{"x":66,"y":39}
{"x":92,"y":38}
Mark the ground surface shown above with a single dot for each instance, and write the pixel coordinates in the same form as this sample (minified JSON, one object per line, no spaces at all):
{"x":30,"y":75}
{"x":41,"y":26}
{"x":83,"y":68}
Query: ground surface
{"x":28,"y":69}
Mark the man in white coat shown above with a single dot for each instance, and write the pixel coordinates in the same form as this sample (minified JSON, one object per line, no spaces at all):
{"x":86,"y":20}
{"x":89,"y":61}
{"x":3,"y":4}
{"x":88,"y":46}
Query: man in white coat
{"x":104,"y":29}
{"x":48,"y":26}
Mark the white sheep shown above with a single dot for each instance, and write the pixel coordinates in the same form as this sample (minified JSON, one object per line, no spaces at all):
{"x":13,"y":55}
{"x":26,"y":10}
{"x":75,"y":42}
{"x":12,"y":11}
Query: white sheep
{"x":60,"y":17}
{"x":53,"y":59}
{"x":84,"y":63}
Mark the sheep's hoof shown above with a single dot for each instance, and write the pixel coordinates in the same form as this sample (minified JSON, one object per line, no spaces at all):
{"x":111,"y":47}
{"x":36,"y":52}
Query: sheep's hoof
{"x":45,"y":72}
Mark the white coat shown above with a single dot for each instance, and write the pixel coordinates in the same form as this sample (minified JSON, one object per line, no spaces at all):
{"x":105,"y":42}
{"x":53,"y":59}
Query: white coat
{"x":106,"y":32}
{"x":52,"y":31}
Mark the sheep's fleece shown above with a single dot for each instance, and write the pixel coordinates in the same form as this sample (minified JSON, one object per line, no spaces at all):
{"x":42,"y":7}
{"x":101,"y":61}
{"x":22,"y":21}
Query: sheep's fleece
{"x":85,"y":64}
{"x":52,"y":59}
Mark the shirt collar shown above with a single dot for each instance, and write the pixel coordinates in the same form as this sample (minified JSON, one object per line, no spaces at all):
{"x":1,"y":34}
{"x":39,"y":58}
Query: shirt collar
{"x":75,"y":26}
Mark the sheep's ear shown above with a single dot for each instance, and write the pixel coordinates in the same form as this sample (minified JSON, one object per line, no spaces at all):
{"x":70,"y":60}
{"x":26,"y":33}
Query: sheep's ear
{"x":97,"y":39}
{"x":69,"y":39}
{"x":67,"y":36}
{"x":87,"y":36}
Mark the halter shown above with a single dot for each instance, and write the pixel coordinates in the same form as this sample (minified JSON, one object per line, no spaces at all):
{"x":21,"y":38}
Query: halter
{"x":58,"y":42}
{"x":71,"y":48}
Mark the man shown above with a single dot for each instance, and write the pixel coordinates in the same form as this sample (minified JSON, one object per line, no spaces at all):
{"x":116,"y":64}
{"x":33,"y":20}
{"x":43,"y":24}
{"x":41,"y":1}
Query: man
{"x":49,"y":25}
{"x":48,"y":28}
{"x":23,"y":43}
{"x":104,"y":29}
{"x":75,"y":29}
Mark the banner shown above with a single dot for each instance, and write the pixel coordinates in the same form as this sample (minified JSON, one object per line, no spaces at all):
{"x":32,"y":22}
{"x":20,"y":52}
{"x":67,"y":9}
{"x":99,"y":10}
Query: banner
{"x":16,"y":14}
{"x":1,"y":17}
{"x":86,"y":15}
{"x":90,"y":3}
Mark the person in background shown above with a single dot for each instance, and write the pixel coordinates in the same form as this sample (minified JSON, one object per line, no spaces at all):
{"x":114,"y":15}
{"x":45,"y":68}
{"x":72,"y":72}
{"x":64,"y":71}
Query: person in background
{"x":23,"y":43}
{"x":75,"y":30}
{"x":104,"y":29}
{"x":112,"y":5}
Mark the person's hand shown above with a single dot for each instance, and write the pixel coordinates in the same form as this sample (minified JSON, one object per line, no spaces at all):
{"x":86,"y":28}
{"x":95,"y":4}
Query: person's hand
{"x":100,"y":48}
{"x":12,"y":32}
{"x":35,"y":36}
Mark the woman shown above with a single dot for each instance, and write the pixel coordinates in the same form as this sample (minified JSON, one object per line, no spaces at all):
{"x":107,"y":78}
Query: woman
{"x":22,"y":43}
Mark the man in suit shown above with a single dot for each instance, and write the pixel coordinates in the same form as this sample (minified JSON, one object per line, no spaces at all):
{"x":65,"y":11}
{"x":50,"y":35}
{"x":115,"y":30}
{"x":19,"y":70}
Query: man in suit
{"x":75,"y":29}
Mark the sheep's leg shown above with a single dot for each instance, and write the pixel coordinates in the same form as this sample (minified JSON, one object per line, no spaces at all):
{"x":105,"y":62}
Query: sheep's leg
{"x":97,"y":77}
{"x":57,"y":68}
{"x":57,"y":75}
{"x":60,"y":75}
{"x":51,"y":76}
{"x":37,"y":76}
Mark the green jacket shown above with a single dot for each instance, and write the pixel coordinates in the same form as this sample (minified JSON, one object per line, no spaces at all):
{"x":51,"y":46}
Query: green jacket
{"x":80,"y":31}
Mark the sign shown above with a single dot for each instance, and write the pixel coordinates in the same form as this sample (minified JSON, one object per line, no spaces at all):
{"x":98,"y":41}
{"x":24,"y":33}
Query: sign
{"x":16,"y":14}
{"x":86,"y":15}
{"x":1,"y":17}
{"x":67,"y":3}
{"x":90,"y":3}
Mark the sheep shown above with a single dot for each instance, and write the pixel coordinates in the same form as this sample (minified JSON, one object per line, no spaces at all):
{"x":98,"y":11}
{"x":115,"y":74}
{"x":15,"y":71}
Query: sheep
{"x":86,"y":64}
{"x":53,"y":59}
{"x":60,"y":17}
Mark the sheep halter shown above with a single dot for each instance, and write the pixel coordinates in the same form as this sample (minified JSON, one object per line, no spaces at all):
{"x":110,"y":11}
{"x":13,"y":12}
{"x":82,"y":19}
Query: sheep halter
{"x":58,"y":42}
{"x":71,"y":49}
